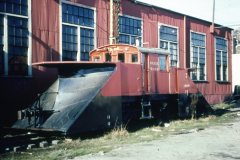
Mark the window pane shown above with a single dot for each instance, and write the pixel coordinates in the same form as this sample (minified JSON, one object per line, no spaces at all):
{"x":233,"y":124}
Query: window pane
{"x":174,"y":54}
{"x":164,"y":45}
{"x":224,"y":73}
{"x":108,"y":57}
{"x":202,"y":72}
{"x":134,"y":58}
{"x":17,"y":45}
{"x":198,"y":56}
{"x":19,"y":7}
{"x":162,"y":60}
{"x":17,"y":65}
{"x":221,"y":44}
{"x":194,"y":72}
{"x":221,"y":59}
{"x":121,"y":57}
{"x":168,"y":33}
{"x":218,"y":68}
{"x":87,"y":43}
{"x":130,"y":26}
{"x":77,"y":15}
{"x":168,"y":41}
{"x":124,"y":39}
{"x":69,"y":42}
{"x":197,"y":39}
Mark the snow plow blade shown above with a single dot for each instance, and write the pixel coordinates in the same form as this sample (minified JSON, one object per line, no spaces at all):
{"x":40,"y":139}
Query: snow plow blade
{"x":67,"y":105}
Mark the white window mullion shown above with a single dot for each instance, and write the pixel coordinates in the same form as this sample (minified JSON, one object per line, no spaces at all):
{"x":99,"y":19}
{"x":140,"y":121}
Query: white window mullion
{"x":60,"y":30}
{"x":29,"y":39}
{"x":95,"y":28}
{"x":5,"y":44}
{"x":198,"y":65}
{"x":79,"y":44}
{"x":222,"y":71}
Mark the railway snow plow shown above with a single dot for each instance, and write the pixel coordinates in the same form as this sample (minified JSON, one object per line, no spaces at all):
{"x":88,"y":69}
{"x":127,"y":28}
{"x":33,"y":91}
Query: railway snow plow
{"x":72,"y":101}
{"x":120,"y":83}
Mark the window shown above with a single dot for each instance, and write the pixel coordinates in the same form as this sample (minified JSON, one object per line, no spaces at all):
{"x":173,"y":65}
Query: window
{"x":221,"y":60}
{"x":121,"y":57}
{"x":14,"y":37}
{"x":198,"y":56}
{"x":77,"y":32}
{"x":169,"y":41}
{"x":162,"y":61}
{"x":130,"y":30}
{"x":108,"y":57}
{"x":134,"y":58}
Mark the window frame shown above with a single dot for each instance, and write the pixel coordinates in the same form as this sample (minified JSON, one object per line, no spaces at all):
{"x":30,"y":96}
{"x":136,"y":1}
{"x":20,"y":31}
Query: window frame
{"x":78,"y":28}
{"x":5,"y":41}
{"x":131,"y":35}
{"x":227,"y":58}
{"x":168,"y":42}
{"x":191,"y":55}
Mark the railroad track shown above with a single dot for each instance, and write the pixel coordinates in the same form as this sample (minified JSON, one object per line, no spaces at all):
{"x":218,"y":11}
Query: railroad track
{"x":25,"y":140}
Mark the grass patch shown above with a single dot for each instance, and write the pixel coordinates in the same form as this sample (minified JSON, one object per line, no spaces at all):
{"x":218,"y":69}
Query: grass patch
{"x":70,"y":148}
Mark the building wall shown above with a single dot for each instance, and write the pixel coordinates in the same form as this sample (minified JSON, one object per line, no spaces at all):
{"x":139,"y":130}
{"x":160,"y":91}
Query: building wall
{"x":45,"y":30}
{"x":215,"y":92}
{"x":235,"y":70}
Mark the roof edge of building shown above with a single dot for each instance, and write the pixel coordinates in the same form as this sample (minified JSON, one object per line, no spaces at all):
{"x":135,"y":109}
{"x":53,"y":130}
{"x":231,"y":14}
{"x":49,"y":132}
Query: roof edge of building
{"x":158,"y":7}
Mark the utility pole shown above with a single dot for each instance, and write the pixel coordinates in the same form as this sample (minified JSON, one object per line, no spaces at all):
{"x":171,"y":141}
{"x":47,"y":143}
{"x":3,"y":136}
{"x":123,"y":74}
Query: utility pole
{"x":113,"y":21}
{"x":213,"y":17}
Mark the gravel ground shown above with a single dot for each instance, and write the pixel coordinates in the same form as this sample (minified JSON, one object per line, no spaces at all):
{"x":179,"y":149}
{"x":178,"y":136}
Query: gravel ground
{"x":214,"y":143}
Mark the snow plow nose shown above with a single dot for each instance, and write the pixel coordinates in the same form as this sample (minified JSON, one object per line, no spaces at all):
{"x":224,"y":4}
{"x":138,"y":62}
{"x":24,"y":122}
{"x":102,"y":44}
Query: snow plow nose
{"x":66,"y":100}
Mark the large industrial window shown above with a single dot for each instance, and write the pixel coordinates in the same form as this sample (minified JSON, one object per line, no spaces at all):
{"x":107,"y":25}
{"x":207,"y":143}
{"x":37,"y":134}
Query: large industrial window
{"x":14,"y":37}
{"x":130,"y":30}
{"x":168,"y":40}
{"x":198,"y":56}
{"x":77,"y":32}
{"x":221,"y":59}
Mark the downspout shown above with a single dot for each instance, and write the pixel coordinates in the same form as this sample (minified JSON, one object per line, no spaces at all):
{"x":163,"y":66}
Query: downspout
{"x":111,"y":23}
{"x":185,"y":42}
{"x":213,"y":16}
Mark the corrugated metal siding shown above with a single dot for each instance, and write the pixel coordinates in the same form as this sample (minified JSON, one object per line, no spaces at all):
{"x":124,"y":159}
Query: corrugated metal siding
{"x":213,"y":91}
{"x":45,"y":30}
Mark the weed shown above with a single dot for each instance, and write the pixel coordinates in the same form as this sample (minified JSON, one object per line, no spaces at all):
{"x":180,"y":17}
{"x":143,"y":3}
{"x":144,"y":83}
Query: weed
{"x":117,"y":132}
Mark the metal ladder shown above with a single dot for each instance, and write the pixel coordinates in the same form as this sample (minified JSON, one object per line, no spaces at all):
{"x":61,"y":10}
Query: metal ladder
{"x":146,"y":112}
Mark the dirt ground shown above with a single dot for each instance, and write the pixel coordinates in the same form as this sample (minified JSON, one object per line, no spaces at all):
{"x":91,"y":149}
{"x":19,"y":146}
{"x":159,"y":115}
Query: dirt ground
{"x":214,"y":143}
